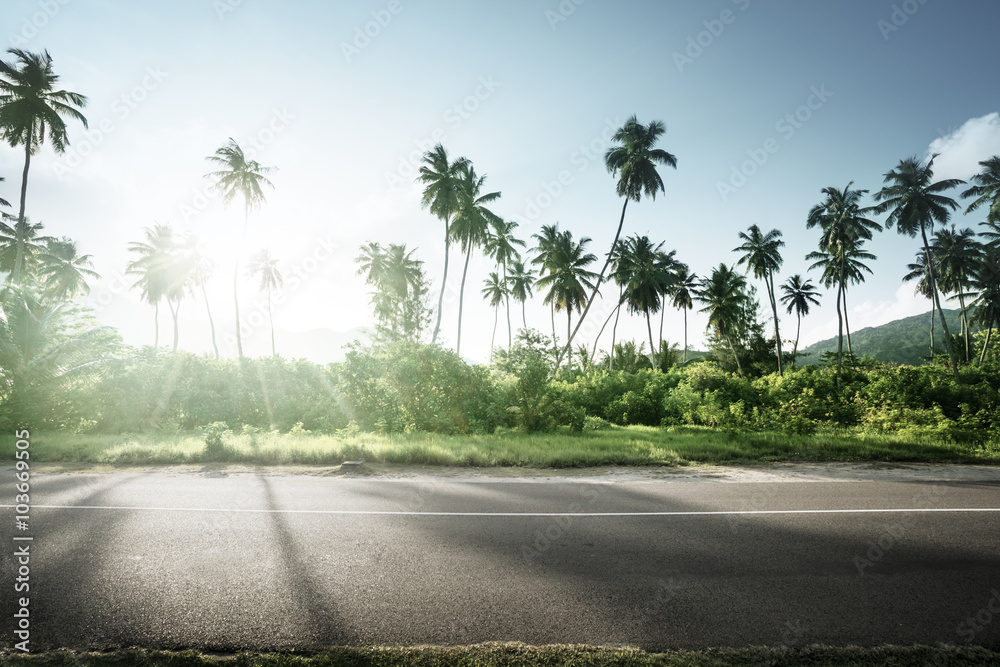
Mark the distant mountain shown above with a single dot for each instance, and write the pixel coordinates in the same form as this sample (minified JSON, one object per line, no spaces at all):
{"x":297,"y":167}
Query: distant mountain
{"x":904,"y":341}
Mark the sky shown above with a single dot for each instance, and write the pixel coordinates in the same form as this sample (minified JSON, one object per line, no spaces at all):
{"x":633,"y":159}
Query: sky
{"x":765,"y":104}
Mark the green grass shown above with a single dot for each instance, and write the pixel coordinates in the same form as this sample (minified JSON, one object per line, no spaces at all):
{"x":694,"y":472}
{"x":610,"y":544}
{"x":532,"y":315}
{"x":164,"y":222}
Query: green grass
{"x":488,"y":655}
{"x":632,"y":446}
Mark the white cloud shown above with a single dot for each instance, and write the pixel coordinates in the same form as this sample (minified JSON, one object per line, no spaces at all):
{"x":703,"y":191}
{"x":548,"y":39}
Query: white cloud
{"x":962,"y":150}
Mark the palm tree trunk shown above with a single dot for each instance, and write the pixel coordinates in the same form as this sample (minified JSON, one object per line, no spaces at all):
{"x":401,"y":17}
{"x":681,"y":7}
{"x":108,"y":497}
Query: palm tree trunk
{"x":663,"y":313}
{"x":444,"y":280}
{"x":840,"y":338}
{"x":510,"y":331}
{"x":270,"y":318}
{"x":524,"y":314}
{"x":236,"y":280}
{"x":461,"y":298}
{"x":937,"y":304}
{"x":774,"y":310}
{"x":211,"y":322}
{"x":965,"y":324}
{"x":175,"y":310}
{"x":614,"y":329}
{"x":569,"y":355}
{"x":798,"y":331}
{"x":847,"y":322}
{"x":685,"y":335}
{"x":605,"y":325}
{"x":19,"y":256}
{"x":986,"y":345}
{"x":652,"y":348}
{"x":555,"y":341}
{"x":156,"y":325}
{"x":932,"y":331}
{"x":735,"y":355}
{"x":496,"y":318}
{"x":597,"y":285}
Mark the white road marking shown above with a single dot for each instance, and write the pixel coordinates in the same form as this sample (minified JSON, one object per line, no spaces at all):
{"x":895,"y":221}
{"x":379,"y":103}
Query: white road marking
{"x":513,"y":514}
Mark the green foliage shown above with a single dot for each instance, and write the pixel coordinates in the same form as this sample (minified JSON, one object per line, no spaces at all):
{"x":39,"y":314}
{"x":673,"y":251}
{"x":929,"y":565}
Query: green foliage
{"x":405,"y":386}
{"x":523,"y":381}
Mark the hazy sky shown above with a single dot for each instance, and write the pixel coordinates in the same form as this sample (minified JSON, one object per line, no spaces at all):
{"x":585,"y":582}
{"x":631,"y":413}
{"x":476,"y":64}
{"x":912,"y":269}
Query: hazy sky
{"x":343,"y":97}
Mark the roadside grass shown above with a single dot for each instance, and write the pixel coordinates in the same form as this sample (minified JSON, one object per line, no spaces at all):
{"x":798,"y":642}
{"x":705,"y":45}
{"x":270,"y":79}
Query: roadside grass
{"x":496,"y":654}
{"x":614,"y":446}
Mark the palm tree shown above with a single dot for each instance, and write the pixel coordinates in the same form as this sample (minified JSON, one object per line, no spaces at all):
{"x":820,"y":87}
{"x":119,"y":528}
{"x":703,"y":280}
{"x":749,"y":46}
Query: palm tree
{"x":681,"y":297}
{"x":986,"y":189}
{"x":957,"y":254}
{"x":501,"y":245}
{"x":916,"y":203}
{"x":568,"y":279}
{"x":265,"y":267}
{"x":645,"y":281}
{"x":64,"y":272}
{"x":400,"y":286}
{"x":844,"y":229}
{"x":30,"y":107}
{"x":519,"y":285}
{"x":3,"y":202}
{"x":495,"y":290}
{"x":239,"y":176}
{"x":441,"y":180}
{"x":918,"y":271}
{"x":20,"y":245}
{"x":798,"y":295}
{"x":724,"y":296}
{"x":985,"y":292}
{"x":761,"y":253}
{"x":155,"y":268}
{"x":471,"y":225}
{"x":633,"y":161}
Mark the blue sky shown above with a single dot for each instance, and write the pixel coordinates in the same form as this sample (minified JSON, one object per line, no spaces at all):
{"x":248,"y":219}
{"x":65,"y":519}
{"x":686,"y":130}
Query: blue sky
{"x":530,"y":92}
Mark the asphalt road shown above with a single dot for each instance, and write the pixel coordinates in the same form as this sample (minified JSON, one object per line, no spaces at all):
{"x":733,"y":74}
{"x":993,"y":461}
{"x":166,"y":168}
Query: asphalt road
{"x":254,"y":560}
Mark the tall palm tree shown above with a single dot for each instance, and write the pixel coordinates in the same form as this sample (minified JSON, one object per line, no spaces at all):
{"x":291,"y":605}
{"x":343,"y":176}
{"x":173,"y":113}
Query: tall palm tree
{"x":265,"y":267}
{"x":239,"y":176}
{"x":63,"y":271}
{"x":519,"y":285}
{"x":502,"y":245}
{"x":986,"y":189}
{"x":633,"y":160}
{"x":761,"y":254}
{"x":916,"y":203}
{"x":918,"y":271}
{"x":471,"y":226}
{"x":568,"y":279}
{"x":201,"y":267}
{"x":399,"y":285}
{"x":494,"y":291}
{"x":985,"y":293}
{"x":957,"y":254}
{"x":161,"y":271}
{"x":441,"y":179}
{"x":30,"y":107}
{"x":798,"y":295}
{"x":844,"y":229}
{"x":681,"y":297}
{"x":724,"y":296}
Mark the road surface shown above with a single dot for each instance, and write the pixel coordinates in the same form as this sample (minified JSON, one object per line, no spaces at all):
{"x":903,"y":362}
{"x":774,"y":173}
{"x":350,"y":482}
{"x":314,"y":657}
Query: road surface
{"x":222,"y":560}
